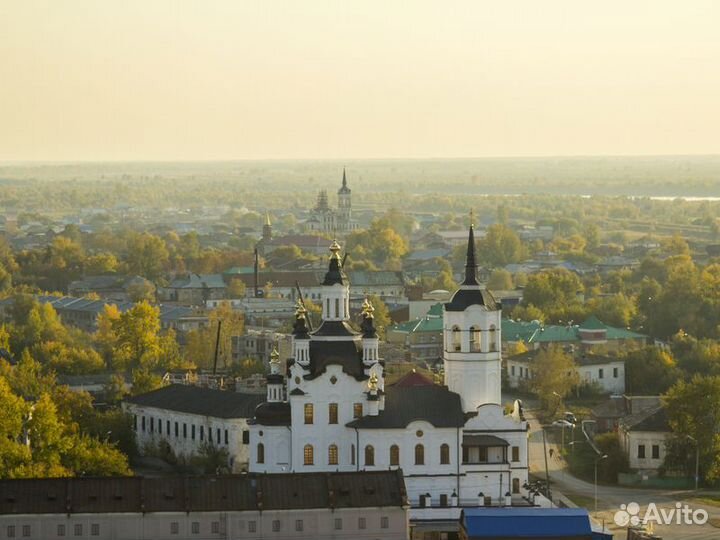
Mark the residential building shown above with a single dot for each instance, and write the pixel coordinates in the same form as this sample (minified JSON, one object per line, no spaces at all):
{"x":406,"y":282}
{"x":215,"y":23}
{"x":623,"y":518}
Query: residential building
{"x":607,"y":373}
{"x":184,"y":418}
{"x":111,"y":288}
{"x":194,"y":289}
{"x":313,"y":506}
{"x":609,"y":413}
{"x":643,"y":437}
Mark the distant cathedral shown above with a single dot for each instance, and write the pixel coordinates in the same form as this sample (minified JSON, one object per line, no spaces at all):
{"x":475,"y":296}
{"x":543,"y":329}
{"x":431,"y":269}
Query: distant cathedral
{"x":327,"y":220}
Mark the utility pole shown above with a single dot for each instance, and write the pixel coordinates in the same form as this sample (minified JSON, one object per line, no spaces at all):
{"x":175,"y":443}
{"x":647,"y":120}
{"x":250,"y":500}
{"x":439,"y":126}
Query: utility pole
{"x":596,"y":465}
{"x":547,"y":471}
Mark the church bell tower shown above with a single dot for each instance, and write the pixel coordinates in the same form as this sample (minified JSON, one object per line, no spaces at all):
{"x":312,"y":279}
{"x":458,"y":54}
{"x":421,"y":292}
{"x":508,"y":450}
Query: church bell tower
{"x":471,"y":339}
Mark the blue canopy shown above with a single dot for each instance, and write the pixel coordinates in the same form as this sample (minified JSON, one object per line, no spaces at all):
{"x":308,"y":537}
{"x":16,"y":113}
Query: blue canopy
{"x":519,"y":522}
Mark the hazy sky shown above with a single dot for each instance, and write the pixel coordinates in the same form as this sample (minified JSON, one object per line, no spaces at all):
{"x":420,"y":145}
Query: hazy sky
{"x":160,"y":80}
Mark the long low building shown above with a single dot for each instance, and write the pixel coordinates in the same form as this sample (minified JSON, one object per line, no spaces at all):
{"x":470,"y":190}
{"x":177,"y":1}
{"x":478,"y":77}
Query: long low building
{"x":184,"y":418}
{"x":248,"y":506}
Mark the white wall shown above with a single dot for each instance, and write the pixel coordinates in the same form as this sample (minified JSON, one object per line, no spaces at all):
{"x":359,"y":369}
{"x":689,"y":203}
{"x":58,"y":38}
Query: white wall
{"x":316,"y":524}
{"x":186,"y":446}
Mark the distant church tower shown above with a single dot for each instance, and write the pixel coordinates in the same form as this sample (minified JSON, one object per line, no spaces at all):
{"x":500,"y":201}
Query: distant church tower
{"x":344,"y":203}
{"x":471,"y":336}
{"x":267,"y":229}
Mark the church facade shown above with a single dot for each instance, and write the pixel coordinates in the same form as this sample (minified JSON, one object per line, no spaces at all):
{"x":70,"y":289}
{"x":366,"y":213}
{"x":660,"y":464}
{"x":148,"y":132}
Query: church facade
{"x":331,"y":410}
{"x":327,"y":220}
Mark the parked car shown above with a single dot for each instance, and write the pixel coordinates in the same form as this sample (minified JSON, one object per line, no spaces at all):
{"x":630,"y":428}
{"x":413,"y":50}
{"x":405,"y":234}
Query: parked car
{"x":570,"y":417}
{"x":563,"y":424}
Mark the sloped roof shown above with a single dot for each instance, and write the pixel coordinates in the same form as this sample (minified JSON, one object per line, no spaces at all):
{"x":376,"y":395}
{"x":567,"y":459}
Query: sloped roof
{"x":654,"y":419}
{"x":200,"y":401}
{"x":286,"y":491}
{"x":432,"y":403}
{"x":360,"y":278}
{"x":199,"y":281}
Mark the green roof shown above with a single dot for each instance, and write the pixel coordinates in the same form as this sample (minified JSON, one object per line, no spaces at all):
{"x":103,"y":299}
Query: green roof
{"x":529,"y":332}
{"x":239,"y":270}
{"x":593,"y":323}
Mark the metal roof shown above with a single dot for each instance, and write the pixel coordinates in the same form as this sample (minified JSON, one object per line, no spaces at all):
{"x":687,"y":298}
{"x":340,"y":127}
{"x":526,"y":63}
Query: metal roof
{"x":519,"y":522}
{"x":203,"y":493}
{"x":200,"y":401}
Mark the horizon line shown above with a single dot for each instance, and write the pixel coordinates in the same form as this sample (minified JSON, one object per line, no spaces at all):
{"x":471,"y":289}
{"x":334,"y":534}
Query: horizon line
{"x":20,"y":162}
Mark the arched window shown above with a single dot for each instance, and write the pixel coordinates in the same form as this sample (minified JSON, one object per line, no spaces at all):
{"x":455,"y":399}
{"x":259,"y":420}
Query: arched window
{"x":444,"y":454}
{"x":475,"y":339}
{"x":308,"y":454}
{"x":419,"y":454}
{"x":369,"y":456}
{"x":308,"y":413}
{"x":456,"y":337}
{"x":261,"y":453}
{"x":332,"y":454}
{"x":394,"y":455}
{"x":493,"y":338}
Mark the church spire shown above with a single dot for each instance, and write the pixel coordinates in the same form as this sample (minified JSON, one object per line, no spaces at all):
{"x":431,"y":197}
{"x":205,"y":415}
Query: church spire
{"x":470,"y":263}
{"x":344,"y":178}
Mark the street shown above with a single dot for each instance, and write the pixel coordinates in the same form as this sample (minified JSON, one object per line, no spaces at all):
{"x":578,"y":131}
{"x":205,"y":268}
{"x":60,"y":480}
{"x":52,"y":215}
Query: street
{"x":611,"y":497}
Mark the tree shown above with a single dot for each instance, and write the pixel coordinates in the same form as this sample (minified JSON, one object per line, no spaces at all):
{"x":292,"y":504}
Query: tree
{"x":553,"y":292}
{"x":144,"y":381}
{"x":554,"y":376}
{"x":381,"y":314}
{"x":236,"y":288}
{"x":200,"y":347}
{"x":69,"y":360}
{"x":137,"y":340}
{"x":141,"y":290}
{"x":616,"y":461}
{"x":147,"y":255}
{"x":500,"y":280}
{"x":616,"y":310}
{"x":102,"y":263}
{"x":649,"y":371}
{"x":693,"y":410}
{"x":500,"y":246}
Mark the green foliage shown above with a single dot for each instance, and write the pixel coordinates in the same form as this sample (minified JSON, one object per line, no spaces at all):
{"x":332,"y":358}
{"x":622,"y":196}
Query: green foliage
{"x":555,"y":293}
{"x":649,"y":371}
{"x":616,"y":462}
{"x":500,"y":280}
{"x":211,"y":459}
{"x":693,"y":410}
{"x":554,"y":377}
{"x":500,"y":246}
{"x":37,"y":440}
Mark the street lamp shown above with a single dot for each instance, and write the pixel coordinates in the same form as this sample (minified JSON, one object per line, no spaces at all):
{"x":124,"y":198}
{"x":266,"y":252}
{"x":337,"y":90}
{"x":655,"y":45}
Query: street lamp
{"x":598,"y":460}
{"x":697,"y":460}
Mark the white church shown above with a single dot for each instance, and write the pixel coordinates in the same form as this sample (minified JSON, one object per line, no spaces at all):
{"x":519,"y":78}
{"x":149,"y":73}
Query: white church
{"x":331,"y":410}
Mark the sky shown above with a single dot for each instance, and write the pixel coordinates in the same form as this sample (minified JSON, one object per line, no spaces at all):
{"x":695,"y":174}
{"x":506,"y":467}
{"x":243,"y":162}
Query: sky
{"x":310,"y":79}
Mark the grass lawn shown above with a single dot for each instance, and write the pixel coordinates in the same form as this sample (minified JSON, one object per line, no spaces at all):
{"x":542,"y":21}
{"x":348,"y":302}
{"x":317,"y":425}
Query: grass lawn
{"x":707,"y":499}
{"x":581,"y":500}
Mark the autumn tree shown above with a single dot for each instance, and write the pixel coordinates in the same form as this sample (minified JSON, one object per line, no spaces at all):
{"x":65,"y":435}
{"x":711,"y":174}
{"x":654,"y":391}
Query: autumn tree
{"x":500,"y":280}
{"x":554,"y":376}
{"x":147,"y":255}
{"x":500,"y":246}
{"x":693,"y":410}
{"x":649,"y":371}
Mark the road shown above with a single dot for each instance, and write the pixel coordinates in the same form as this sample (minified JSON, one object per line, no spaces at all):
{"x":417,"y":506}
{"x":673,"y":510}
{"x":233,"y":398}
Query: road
{"x":611,"y":497}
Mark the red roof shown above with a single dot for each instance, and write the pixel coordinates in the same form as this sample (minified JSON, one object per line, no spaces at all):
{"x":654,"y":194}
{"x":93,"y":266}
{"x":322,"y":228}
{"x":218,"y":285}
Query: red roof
{"x":414,"y":379}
